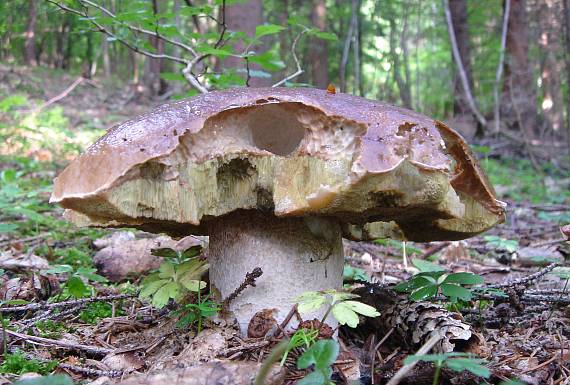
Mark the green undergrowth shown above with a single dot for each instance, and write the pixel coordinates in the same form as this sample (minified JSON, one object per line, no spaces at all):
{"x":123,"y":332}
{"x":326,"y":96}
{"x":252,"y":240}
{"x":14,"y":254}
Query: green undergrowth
{"x":17,"y":363}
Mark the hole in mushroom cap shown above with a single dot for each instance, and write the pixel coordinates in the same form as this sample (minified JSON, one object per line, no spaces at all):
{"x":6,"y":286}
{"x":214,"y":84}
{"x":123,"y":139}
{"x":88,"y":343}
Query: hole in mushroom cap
{"x":274,"y":128}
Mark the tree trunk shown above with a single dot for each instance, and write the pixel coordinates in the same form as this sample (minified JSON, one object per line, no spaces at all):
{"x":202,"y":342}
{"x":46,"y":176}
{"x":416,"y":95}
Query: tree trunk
{"x":549,"y":43}
{"x":318,"y":53}
{"x":566,"y":4}
{"x":458,"y":9}
{"x":152,"y":68}
{"x":30,"y":35}
{"x":519,"y":106}
{"x":403,"y":85}
{"x":244,"y":17}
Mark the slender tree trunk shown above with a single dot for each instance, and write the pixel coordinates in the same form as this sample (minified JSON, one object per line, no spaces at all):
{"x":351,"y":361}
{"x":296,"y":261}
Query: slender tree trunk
{"x":518,"y":87}
{"x":318,"y":53}
{"x":151,"y":77}
{"x":347,"y":43}
{"x":357,"y":53}
{"x":403,"y":85}
{"x":244,"y":17}
{"x":30,"y":35}
{"x":458,"y":9}
{"x":566,"y":4}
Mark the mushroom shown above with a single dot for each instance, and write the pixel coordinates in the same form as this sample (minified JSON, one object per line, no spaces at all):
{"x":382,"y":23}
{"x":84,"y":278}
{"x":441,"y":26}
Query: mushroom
{"x":276,"y":177}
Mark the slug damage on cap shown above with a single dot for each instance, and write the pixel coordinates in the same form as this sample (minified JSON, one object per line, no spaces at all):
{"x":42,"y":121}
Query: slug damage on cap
{"x":380,"y":170}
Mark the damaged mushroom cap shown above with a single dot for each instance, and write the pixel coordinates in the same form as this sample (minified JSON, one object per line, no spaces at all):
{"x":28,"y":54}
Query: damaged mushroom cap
{"x":276,"y":177}
{"x":379,"y":170}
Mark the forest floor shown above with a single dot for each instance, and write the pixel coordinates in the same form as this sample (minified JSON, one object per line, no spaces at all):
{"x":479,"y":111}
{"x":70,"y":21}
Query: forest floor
{"x":70,"y":304}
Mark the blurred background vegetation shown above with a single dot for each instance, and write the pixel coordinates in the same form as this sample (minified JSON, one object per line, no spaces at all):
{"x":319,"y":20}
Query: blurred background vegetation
{"x":496,"y":70}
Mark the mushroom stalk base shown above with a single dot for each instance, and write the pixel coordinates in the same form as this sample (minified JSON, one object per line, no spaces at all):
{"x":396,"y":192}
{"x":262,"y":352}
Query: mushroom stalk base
{"x":296,"y":255}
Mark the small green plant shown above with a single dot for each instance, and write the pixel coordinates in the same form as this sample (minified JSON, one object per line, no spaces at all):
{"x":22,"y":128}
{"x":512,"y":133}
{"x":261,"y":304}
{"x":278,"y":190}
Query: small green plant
{"x":321,"y":356}
{"x":433,"y":280}
{"x":350,"y":273}
{"x":18,"y":363}
{"x":302,"y":338}
{"x":50,"y":329}
{"x":194,"y":313}
{"x":496,"y":242}
{"x":343,"y":308}
{"x":93,"y":312}
{"x":457,"y":362}
{"x":177,"y":276}
{"x":76,"y":285}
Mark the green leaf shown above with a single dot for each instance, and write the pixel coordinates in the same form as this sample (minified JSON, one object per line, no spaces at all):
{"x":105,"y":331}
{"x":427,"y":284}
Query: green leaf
{"x":424,"y":293}
{"x":455,"y":291}
{"x":89,"y":274}
{"x":354,"y":274}
{"x":326,"y":35}
{"x":149,"y":289}
{"x":322,"y":354}
{"x":166,"y":270}
{"x":76,"y":287}
{"x":193,"y":284}
{"x":192,"y":251}
{"x":165,"y":252}
{"x":362,"y":308}
{"x":472,"y":365}
{"x":345,"y":315}
{"x":314,"y":378}
{"x":464,"y":279}
{"x":267,"y":29}
{"x":160,"y":299}
{"x":8,"y":227}
{"x":425,"y":266}
{"x":218,"y":52}
{"x":414,"y":283}
{"x":310,"y":301}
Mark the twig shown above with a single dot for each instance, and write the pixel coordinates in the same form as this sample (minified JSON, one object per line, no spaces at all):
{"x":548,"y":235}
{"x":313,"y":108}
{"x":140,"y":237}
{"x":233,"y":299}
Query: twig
{"x":62,"y":344}
{"x":295,"y":58}
{"x":524,"y":281}
{"x":47,"y":316}
{"x":286,"y":321}
{"x":553,"y":358}
{"x":74,"y":302}
{"x":24,"y":240}
{"x":62,"y":95}
{"x":248,"y":281}
{"x":255,"y":345}
{"x":92,"y":372}
{"x":404,"y":370}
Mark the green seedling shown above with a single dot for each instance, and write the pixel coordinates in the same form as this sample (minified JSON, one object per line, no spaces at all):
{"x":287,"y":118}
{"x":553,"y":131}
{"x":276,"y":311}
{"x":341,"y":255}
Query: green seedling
{"x":194,"y":313}
{"x":177,"y":276}
{"x":17,"y":363}
{"x":457,"y":362}
{"x":433,"y":280}
{"x":302,"y":338}
{"x":95,"y":311}
{"x":350,"y":273}
{"x":76,"y":285}
{"x":340,"y":304}
{"x":498,"y":243}
{"x":320,"y":356}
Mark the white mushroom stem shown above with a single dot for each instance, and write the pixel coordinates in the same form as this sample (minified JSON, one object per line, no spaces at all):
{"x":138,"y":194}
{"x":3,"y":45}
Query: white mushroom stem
{"x":296,"y":255}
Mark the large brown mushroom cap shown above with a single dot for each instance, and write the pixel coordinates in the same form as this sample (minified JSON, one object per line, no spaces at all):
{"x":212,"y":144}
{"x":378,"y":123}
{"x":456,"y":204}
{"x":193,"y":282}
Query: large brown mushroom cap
{"x":379,"y":169}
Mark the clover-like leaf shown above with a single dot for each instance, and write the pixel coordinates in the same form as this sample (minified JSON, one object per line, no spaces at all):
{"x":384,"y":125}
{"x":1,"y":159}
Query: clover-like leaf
{"x":310,"y":301}
{"x":345,"y":315}
{"x":456,"y":291}
{"x":166,"y":270}
{"x":322,"y":354}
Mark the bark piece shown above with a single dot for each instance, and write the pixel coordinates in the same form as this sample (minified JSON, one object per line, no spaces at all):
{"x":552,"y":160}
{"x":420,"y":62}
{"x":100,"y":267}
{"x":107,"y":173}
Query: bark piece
{"x":217,"y":372}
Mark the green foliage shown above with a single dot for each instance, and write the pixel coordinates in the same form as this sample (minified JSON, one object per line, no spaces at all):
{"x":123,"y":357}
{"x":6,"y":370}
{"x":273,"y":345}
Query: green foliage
{"x":95,"y":311}
{"x":18,"y":363}
{"x":350,"y":273}
{"x":301,"y":338}
{"x":457,"y":362}
{"x":433,"y":280}
{"x":76,"y":286}
{"x":343,"y":308}
{"x":50,"y":328}
{"x":495,"y":242}
{"x":192,"y":314}
{"x":321,"y":356}
{"x":57,"y":379}
{"x":399,"y":245}
{"x":177,"y":276}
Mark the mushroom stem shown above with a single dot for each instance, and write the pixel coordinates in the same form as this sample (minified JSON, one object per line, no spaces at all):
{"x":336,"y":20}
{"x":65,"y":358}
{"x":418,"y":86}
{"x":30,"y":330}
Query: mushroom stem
{"x":296,"y":255}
